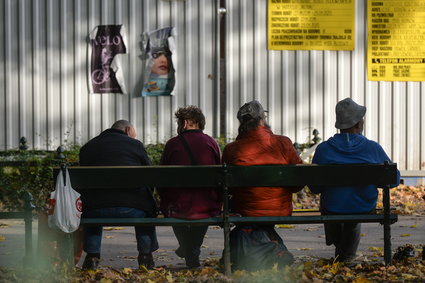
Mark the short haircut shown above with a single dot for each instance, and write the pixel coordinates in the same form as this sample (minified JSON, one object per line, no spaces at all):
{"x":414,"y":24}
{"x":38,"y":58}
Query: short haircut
{"x":121,"y":125}
{"x":191,"y":113}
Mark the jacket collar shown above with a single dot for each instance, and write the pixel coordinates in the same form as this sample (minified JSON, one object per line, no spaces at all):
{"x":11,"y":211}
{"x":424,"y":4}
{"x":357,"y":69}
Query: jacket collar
{"x":256,"y":133}
{"x":113,"y":131}
{"x":192,"y":131}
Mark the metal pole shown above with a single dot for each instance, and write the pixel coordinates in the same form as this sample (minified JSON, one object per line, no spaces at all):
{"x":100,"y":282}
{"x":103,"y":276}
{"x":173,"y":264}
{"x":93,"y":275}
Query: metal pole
{"x":387,"y":226}
{"x":226,"y":224}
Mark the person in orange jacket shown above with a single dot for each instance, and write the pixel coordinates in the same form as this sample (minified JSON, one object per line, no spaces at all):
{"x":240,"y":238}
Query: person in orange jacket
{"x":257,"y":145}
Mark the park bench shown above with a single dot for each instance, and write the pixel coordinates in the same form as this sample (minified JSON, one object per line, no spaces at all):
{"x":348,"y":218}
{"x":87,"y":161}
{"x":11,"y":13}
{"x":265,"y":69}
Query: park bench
{"x":26,"y":214}
{"x":225,"y":176}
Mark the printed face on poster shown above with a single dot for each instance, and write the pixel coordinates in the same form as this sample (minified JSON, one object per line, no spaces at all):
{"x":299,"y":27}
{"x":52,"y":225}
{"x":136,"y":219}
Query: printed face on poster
{"x":160,"y":71}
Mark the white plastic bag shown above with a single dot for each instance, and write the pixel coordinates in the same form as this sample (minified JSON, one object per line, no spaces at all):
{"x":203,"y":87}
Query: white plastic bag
{"x":66,"y":204}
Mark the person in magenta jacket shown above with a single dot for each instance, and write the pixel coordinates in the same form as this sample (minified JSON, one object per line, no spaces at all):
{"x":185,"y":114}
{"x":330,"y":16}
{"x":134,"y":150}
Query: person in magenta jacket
{"x":190,"y":147}
{"x":349,"y":146}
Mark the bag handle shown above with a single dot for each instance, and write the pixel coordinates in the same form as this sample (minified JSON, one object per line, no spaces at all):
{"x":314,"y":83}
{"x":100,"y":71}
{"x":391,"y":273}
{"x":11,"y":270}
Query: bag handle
{"x":63,"y":169}
{"x":186,"y":146}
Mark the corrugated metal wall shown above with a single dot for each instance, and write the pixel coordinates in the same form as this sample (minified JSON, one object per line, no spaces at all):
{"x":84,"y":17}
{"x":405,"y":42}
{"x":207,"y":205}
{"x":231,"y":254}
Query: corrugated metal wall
{"x":300,"y":88}
{"x":44,"y":92}
{"x":44,"y":64}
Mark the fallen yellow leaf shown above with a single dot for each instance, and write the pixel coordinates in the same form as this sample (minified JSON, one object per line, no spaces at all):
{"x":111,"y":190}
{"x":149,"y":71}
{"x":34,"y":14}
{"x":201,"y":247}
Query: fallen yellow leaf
{"x":408,"y":276}
{"x":2,"y":238}
{"x":285,"y":226}
{"x":169,"y":277}
{"x":361,"y":280}
{"x":375,"y":249}
{"x":109,"y":237}
{"x":143,"y":268}
{"x":113,"y":228}
{"x":405,"y":235}
{"x":127,"y":270}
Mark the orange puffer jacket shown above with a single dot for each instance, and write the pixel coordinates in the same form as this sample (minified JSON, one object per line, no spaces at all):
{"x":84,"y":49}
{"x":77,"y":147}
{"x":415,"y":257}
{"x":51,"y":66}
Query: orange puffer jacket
{"x":259,"y":147}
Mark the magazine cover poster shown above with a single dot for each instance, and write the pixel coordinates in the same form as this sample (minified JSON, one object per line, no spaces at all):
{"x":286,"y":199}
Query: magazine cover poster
{"x":160,"y":72}
{"x":106,"y":43}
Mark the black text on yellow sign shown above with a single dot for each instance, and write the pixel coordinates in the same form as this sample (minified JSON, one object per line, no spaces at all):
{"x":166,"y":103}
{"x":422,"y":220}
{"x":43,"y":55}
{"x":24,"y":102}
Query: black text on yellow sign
{"x":311,"y":24}
{"x":396,"y":40}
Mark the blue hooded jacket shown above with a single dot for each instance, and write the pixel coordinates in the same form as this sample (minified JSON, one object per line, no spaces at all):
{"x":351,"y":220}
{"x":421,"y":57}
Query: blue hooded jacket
{"x":342,"y":149}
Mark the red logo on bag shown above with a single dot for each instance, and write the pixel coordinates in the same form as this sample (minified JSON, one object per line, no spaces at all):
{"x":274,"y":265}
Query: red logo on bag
{"x":79,"y":205}
{"x":51,"y":208}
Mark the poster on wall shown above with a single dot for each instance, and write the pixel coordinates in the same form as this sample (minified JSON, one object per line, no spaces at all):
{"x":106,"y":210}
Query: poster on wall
{"x":160,"y":67}
{"x":107,"y":43}
{"x":311,"y":24}
{"x":396,"y":40}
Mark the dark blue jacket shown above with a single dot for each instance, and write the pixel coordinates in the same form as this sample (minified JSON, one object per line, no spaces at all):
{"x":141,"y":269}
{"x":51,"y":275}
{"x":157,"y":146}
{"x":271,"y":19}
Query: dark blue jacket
{"x":114,"y":148}
{"x":342,"y":149}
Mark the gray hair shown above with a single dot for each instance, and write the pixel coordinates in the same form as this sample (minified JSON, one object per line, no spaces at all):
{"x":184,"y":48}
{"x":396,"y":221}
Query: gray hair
{"x":121,"y":125}
{"x":251,"y":124}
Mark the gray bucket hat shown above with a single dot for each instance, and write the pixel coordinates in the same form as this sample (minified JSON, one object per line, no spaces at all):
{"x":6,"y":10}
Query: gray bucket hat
{"x":348,"y":113}
{"x":251,"y":110}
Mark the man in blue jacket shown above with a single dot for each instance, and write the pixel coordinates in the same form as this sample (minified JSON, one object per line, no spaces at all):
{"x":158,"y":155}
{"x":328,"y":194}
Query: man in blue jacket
{"x":349,"y":146}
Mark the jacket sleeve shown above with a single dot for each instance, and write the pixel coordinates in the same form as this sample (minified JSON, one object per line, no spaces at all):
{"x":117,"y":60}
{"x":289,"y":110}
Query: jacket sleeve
{"x":225,"y":155}
{"x":316,"y":160}
{"x":144,"y":158}
{"x":293,"y":158}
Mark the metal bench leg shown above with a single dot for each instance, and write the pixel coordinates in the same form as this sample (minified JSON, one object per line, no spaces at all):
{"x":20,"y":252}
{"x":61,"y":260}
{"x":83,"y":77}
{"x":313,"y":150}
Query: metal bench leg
{"x":387,"y":226}
{"x":28,"y":207}
{"x":226,"y":226}
{"x":66,"y":248}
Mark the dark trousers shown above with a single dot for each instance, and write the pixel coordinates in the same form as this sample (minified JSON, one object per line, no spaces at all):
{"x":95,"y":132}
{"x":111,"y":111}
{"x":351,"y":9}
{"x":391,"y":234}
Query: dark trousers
{"x":345,"y":237}
{"x":145,"y":236}
{"x":190,"y":239}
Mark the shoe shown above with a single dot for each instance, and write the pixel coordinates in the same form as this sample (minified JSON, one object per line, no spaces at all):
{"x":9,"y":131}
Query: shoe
{"x":146,"y":260}
{"x":286,"y":258}
{"x":346,"y":259}
{"x":179,"y":252}
{"x":192,"y":262}
{"x":91,"y":263}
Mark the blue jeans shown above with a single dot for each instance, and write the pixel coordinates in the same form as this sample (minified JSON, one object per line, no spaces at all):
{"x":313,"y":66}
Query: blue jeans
{"x":145,"y":236}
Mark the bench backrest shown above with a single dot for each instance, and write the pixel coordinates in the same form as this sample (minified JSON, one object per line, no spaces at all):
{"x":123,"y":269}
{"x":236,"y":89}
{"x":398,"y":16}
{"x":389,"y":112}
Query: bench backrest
{"x":232,"y":176}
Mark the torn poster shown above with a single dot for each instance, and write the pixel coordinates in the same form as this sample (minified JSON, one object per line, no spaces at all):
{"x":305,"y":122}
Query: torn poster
{"x":160,"y":67}
{"x":107,"y":43}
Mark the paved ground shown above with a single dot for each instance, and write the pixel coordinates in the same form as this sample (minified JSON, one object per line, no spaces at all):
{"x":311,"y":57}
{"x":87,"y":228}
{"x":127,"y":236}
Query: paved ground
{"x":307,"y":240}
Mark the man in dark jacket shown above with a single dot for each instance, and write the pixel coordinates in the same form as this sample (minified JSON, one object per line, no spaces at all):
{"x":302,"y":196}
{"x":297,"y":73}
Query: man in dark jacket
{"x":190,"y":147}
{"x":117,"y":146}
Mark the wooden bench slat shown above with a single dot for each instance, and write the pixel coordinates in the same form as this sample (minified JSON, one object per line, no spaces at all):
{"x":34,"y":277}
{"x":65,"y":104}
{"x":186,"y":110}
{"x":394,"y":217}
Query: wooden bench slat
{"x":237,"y":176}
{"x":364,"y":218}
{"x":13,"y":215}
{"x":150,"y":221}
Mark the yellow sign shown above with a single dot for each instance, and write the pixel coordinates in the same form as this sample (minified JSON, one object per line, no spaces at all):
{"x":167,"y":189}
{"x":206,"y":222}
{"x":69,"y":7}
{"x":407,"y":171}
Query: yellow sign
{"x":396,"y":40}
{"x":311,"y":24}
